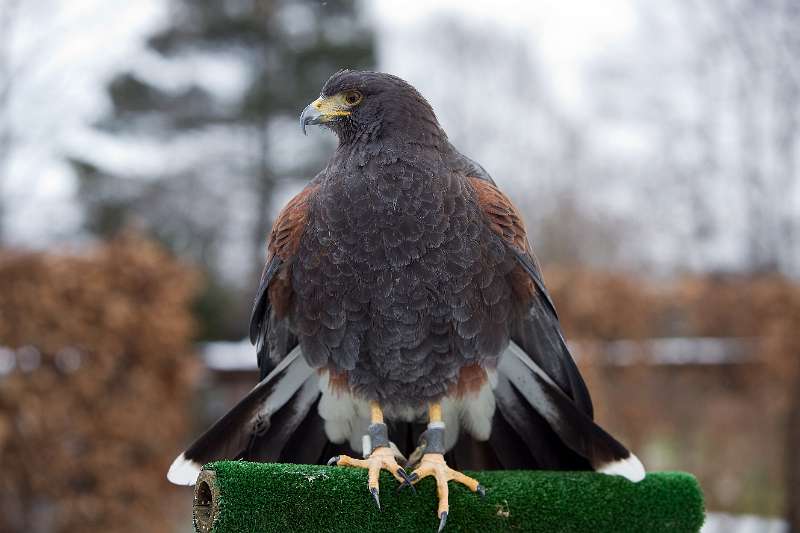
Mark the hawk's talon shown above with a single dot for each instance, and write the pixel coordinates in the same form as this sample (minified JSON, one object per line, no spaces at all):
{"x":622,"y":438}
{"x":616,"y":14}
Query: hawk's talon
{"x":433,"y":464}
{"x":374,"y":492}
{"x":381,"y":458}
{"x":481,"y":490}
{"x":333,"y":460}
{"x":442,"y":521}
{"x":407,"y":481}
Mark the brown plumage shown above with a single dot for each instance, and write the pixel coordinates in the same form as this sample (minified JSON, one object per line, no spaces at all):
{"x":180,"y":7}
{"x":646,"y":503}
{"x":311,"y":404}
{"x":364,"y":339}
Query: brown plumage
{"x":284,"y":239}
{"x":470,"y":380}
{"x":506,"y":221}
{"x":504,"y":217}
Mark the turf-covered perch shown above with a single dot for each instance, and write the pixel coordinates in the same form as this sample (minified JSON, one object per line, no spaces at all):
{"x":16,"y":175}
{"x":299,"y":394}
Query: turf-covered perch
{"x":237,"y":496}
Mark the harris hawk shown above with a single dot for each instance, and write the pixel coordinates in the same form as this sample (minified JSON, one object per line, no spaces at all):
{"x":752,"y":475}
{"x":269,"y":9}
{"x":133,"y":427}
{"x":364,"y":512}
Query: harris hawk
{"x":402,"y":311}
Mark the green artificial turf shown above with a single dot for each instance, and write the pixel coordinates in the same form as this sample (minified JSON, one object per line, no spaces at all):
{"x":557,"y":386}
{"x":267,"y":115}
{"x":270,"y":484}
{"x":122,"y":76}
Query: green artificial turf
{"x":260,"y":497}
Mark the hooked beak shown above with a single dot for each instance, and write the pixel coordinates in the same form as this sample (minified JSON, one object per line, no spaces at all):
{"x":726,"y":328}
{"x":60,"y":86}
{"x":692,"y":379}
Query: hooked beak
{"x":311,"y":115}
{"x":323,"y":109}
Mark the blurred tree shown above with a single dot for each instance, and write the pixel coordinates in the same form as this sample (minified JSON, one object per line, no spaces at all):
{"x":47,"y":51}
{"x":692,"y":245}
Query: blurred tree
{"x":252,"y":66}
{"x":711,"y":90}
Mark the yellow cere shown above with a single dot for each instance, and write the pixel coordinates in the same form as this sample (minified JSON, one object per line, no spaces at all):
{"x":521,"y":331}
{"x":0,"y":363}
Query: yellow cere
{"x":334,"y":106}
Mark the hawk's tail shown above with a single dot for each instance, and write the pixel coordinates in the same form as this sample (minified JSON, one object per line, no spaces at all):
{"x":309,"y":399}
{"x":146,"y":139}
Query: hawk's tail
{"x":278,"y":413}
{"x":536,"y":425}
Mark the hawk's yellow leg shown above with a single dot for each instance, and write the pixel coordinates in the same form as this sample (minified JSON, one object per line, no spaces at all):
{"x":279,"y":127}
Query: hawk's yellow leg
{"x":433,"y":464}
{"x":381,"y":458}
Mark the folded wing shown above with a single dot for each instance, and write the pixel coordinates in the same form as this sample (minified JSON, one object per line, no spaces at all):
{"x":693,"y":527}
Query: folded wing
{"x":544,"y":410}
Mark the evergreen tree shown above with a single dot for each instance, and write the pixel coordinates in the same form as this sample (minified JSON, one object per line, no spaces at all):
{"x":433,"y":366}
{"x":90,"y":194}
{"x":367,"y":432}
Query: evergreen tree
{"x":210,"y":201}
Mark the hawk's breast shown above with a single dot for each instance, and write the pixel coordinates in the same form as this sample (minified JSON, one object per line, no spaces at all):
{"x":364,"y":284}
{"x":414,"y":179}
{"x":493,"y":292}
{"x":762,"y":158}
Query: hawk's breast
{"x":400,"y":284}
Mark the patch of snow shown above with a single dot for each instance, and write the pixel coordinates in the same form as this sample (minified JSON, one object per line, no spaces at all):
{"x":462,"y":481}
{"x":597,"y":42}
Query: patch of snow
{"x":729,"y":523}
{"x":8,"y":360}
{"x":672,"y":350}
{"x":229,"y":355}
{"x":241,"y":355}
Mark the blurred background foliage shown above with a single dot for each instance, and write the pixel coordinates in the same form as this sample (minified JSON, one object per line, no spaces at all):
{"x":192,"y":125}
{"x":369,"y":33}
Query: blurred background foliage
{"x":98,"y":399}
{"x":145,"y":148}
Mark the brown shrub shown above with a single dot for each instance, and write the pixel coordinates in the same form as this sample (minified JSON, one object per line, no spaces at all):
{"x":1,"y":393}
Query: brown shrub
{"x":96,"y":406}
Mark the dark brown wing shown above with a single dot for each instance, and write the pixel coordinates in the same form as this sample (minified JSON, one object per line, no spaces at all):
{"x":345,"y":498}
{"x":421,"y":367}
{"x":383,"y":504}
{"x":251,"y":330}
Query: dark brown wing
{"x":537,"y":331}
{"x":269,"y":330}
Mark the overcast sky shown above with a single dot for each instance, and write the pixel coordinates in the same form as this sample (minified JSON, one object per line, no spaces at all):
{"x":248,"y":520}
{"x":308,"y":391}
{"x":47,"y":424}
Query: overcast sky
{"x":567,"y":34}
{"x":66,"y":51}
{"x":63,"y":53}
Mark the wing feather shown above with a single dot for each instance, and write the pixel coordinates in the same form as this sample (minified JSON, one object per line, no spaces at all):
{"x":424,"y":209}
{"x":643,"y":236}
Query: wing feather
{"x":573,"y":427}
{"x":268,"y":328}
{"x":537,"y":331}
{"x":257,"y":427}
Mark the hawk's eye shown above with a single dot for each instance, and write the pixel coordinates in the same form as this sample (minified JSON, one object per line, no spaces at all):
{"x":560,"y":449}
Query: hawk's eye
{"x":352,"y":97}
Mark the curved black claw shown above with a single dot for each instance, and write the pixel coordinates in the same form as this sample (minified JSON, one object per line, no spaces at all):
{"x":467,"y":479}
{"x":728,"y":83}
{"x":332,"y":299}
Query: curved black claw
{"x":333,"y":460}
{"x":481,"y":490}
{"x":442,"y":521}
{"x":407,"y":481}
{"x":374,"y":493}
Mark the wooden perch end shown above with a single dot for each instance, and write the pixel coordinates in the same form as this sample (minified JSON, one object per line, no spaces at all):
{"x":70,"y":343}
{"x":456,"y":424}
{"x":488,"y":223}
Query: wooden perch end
{"x":206,"y":501}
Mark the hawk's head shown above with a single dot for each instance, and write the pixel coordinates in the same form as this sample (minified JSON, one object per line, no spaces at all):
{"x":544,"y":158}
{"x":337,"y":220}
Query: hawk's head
{"x":363,"y":106}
